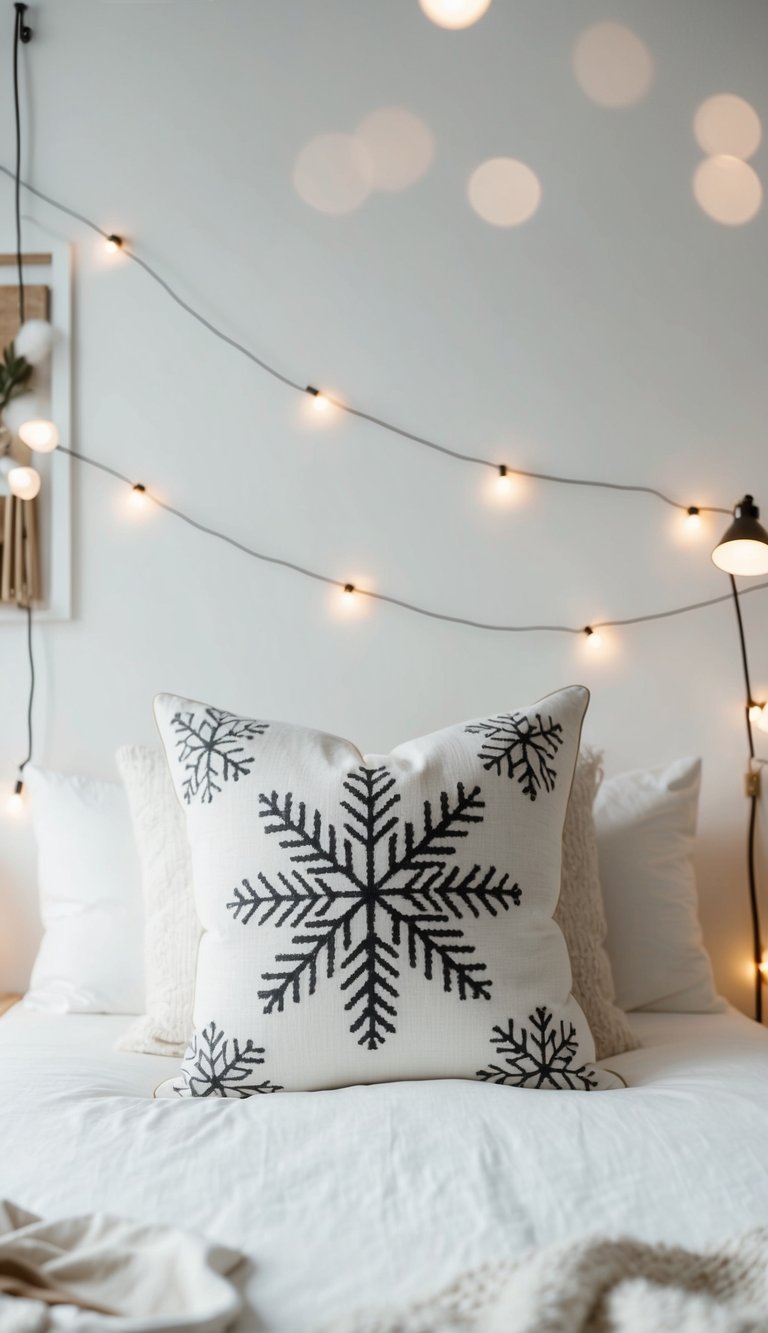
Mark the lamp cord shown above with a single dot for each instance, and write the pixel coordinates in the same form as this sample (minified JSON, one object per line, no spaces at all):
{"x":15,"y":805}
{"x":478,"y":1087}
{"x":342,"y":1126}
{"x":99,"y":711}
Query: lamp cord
{"x":31,"y":696}
{"x":19,"y":23}
{"x":752,"y":827}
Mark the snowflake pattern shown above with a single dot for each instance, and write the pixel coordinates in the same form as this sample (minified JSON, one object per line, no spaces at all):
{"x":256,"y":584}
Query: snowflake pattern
{"x":370,"y":891}
{"x":525,"y":745}
{"x":211,"y":750}
{"x":211,"y":1069}
{"x":539,"y":1056}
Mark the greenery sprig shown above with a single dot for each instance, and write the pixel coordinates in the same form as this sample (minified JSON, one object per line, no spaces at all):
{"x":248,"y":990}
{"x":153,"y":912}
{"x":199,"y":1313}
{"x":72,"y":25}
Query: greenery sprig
{"x":15,"y":371}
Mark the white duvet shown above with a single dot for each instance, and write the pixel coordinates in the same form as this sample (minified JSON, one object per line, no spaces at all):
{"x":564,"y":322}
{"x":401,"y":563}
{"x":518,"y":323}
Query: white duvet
{"x":378,"y":1194}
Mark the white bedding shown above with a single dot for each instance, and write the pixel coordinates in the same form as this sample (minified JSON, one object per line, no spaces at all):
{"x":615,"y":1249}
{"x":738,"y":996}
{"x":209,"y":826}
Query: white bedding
{"x":375,"y":1194}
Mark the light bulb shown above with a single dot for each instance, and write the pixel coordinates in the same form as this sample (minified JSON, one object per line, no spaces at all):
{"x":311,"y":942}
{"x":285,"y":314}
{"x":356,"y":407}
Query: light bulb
{"x":15,"y":804}
{"x":454,"y":13}
{"x":24,"y":482}
{"x":743,"y":549}
{"x":756,"y":712}
{"x":40,"y":434}
{"x":693,"y":519}
{"x":593,"y":637}
{"x":349,"y":591}
{"x":762,"y":721}
{"x":113,"y":243}
{"x":319,"y":400}
{"x":762,"y":966}
{"x":503,"y":481}
{"x":138,"y":494}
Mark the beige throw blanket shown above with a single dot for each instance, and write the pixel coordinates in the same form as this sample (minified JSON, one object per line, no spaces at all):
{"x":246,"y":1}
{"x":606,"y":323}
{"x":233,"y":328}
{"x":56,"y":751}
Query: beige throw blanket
{"x":105,"y":1274}
{"x":598,"y":1286}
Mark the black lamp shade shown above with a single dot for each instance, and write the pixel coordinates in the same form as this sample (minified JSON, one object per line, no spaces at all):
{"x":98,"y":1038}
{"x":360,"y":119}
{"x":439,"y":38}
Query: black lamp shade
{"x":743,"y":549}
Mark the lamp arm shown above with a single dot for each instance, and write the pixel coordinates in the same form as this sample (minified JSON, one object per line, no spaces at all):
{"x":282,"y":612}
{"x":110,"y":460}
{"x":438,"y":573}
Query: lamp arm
{"x":752,"y":829}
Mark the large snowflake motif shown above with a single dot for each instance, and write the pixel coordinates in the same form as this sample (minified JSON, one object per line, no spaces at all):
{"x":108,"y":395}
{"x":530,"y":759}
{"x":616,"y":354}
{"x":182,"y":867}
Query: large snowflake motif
{"x":525,"y":745}
{"x":367,"y":893}
{"x":539,"y":1056}
{"x":211,"y":750}
{"x":213,"y":1068}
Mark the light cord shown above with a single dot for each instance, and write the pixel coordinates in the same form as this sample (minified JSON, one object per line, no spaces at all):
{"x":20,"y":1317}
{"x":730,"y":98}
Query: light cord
{"x":754,"y":905}
{"x":362,"y":415}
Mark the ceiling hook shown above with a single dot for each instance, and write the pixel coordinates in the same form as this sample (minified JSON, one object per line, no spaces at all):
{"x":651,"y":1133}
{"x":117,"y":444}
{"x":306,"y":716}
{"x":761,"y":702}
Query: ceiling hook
{"x":25,"y":32}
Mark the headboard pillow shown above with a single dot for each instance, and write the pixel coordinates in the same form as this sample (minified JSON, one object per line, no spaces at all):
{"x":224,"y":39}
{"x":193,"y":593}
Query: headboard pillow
{"x":381,"y":917}
{"x":90,"y":959}
{"x":646,"y":822}
{"x":171,"y":927}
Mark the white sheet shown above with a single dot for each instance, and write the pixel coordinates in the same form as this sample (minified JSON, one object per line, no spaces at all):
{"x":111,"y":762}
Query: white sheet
{"x":372,"y":1194}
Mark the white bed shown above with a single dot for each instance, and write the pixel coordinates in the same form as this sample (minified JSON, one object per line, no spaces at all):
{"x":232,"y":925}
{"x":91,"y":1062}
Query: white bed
{"x":358,"y":1197}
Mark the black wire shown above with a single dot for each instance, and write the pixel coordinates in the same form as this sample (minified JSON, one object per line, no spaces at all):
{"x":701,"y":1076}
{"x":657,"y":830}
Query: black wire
{"x":357,"y":412}
{"x":385,"y":597}
{"x":31,"y":698}
{"x":19,"y":17}
{"x":754,"y":906}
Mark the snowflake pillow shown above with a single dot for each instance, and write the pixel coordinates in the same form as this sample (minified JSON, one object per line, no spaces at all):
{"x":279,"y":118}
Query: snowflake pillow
{"x":379,"y":917}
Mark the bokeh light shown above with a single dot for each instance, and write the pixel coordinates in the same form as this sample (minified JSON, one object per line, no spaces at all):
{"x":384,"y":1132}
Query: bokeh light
{"x":504,"y":191}
{"x":612,"y":65}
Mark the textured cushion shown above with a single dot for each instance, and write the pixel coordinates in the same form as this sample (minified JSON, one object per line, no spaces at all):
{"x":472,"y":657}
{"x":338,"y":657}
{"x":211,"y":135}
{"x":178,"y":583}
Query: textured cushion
{"x":378,"y":917}
{"x":646,"y":821}
{"x":90,"y":957}
{"x":171,"y":927}
{"x":581,"y":916}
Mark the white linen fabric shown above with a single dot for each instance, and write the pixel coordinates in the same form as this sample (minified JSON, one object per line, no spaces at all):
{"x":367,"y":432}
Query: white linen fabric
{"x":90,"y":958}
{"x":171,"y":927}
{"x":378,"y":917}
{"x":646,"y":823}
{"x":368,"y":1195}
{"x":581,"y":916}
{"x":146,"y":1277}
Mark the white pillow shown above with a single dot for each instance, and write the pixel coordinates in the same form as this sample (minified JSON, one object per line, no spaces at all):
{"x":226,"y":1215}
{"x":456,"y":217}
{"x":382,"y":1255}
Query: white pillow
{"x":646,"y":822}
{"x":581,"y":916}
{"x":382,"y":917}
{"x":171,"y":927}
{"x":90,"y":957}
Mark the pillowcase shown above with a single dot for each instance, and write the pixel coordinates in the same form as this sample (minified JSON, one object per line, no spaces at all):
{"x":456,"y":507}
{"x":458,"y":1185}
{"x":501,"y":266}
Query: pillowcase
{"x":171,"y":927}
{"x":90,"y":957}
{"x":380,"y":917}
{"x":581,"y":916}
{"x":646,"y":821}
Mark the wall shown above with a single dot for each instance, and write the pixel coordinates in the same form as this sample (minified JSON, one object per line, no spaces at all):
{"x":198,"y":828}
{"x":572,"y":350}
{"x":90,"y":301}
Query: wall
{"x":620,"y":333}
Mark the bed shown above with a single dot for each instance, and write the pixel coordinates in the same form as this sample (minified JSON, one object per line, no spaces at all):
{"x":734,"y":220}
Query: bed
{"x":353,"y":1196}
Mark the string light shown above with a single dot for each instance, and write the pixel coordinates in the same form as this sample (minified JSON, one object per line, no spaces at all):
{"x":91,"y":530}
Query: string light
{"x":113,"y":243}
{"x":24,"y":482}
{"x":15,"y":804}
{"x":319,"y":400}
{"x":349,"y":591}
{"x":420,"y":440}
{"x":40,"y":435}
{"x":503,"y":481}
{"x":756,"y":712}
{"x":593,"y":636}
{"x":138,"y":494}
{"x":693,"y":518}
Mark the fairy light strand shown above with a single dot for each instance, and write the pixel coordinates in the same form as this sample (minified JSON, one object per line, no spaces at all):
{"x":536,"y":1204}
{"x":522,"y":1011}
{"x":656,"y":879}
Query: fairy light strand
{"x":352,"y":589}
{"x":119,"y":243}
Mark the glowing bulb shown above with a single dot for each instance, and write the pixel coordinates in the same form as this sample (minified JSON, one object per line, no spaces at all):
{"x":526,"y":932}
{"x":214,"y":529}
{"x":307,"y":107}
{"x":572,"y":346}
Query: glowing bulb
{"x":503,"y":481}
{"x":756,"y":712}
{"x":24,"y":482}
{"x":693,"y":519}
{"x":319,"y":400}
{"x":593,"y":636}
{"x":15,"y":803}
{"x":139,"y":494}
{"x":762,"y":721}
{"x":454,"y":13}
{"x":762,"y":966}
{"x":41,"y":435}
{"x":113,"y":243}
{"x":349,"y":591}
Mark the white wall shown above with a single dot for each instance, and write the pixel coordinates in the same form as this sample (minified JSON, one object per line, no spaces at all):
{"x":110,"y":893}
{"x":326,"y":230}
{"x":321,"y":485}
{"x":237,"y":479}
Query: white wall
{"x":620,"y":334}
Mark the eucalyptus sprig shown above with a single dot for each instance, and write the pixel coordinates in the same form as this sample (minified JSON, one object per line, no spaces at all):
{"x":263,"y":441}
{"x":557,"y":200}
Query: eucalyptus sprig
{"x":15,"y":371}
